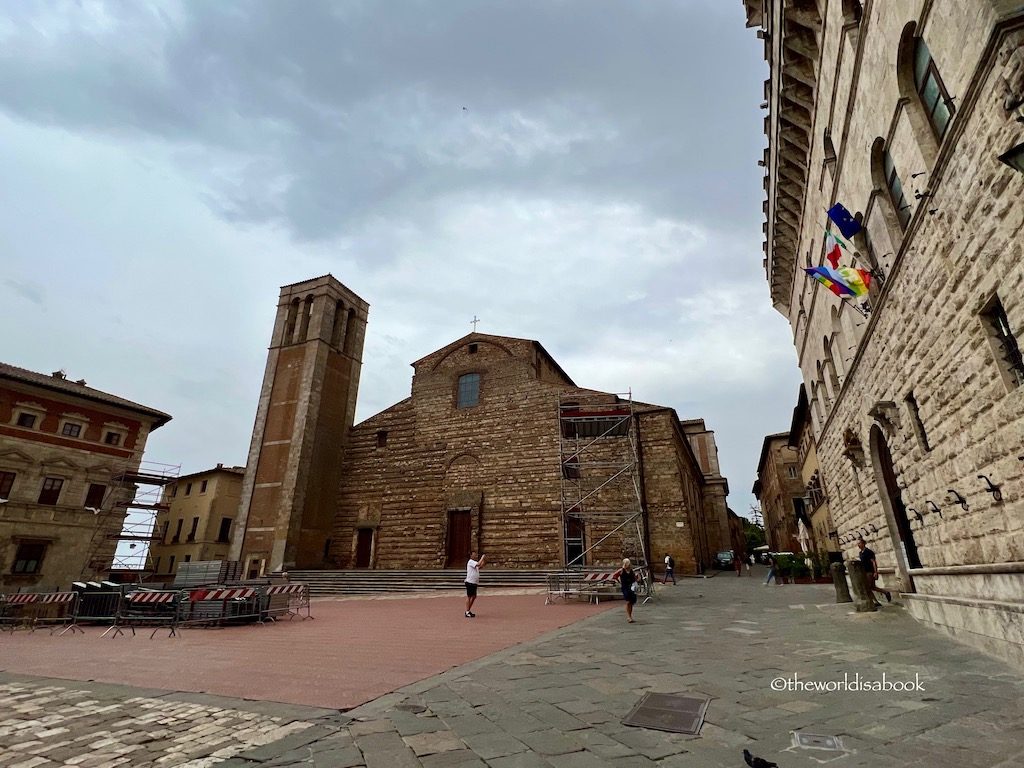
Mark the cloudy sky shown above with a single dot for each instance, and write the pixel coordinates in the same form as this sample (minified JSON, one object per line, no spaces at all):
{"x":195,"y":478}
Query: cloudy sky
{"x":580,"y":172}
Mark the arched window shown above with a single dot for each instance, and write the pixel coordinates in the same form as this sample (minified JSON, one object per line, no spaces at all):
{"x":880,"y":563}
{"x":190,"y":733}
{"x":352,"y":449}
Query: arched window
{"x":894,"y":185}
{"x":307,"y":313}
{"x":895,"y":208}
{"x":825,"y":396}
{"x":830,"y":149}
{"x":830,"y":368}
{"x":289,"y":325}
{"x":350,"y":331}
{"x":934,"y":97}
{"x":469,"y":390}
{"x":338,"y":330}
{"x":931,"y":108}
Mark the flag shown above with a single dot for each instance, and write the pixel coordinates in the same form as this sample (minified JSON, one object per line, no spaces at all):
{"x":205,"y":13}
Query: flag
{"x":848,"y":225}
{"x":831,"y":280}
{"x":832,"y":252}
{"x":858,"y":280}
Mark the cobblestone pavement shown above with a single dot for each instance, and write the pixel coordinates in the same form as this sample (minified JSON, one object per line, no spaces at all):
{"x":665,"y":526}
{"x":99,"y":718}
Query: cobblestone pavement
{"x":559,"y":701}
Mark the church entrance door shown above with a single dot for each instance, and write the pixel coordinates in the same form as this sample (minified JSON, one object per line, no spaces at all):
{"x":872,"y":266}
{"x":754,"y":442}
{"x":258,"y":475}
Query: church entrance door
{"x":364,"y":547}
{"x":460,"y":534}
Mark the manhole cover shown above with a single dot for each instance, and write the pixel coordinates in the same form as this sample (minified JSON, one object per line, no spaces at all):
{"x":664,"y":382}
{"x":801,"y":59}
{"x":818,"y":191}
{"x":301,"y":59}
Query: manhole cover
{"x":669,"y":712}
{"x":817,"y":741}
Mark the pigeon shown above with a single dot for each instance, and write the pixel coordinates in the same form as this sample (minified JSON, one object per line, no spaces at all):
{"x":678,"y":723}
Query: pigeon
{"x":757,"y":762}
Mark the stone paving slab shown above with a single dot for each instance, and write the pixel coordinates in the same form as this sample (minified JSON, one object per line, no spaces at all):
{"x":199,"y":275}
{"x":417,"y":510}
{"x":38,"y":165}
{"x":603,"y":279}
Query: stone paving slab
{"x":558,"y":702}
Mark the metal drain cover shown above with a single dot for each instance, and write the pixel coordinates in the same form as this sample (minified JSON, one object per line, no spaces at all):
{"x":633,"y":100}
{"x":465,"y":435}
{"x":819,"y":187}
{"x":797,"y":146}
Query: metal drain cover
{"x":669,"y":712}
{"x":817,"y":741}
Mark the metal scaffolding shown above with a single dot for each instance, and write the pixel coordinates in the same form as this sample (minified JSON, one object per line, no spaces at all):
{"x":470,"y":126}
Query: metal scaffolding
{"x":126,"y":520}
{"x":603,"y":518}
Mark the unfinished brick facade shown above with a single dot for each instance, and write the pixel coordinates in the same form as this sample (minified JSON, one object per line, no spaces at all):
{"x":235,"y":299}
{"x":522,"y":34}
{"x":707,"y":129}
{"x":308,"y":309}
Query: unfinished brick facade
{"x":417,"y":466}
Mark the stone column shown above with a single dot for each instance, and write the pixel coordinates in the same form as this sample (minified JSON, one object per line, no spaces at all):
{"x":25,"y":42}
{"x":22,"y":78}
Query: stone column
{"x":863,"y":601}
{"x":839,"y":581}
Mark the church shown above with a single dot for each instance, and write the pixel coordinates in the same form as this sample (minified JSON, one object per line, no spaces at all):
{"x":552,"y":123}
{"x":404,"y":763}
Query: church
{"x":496,"y":450}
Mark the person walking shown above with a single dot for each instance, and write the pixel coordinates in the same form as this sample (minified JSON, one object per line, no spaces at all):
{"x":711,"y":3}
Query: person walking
{"x":771,"y":571}
{"x":472,"y":582}
{"x":867,"y":559}
{"x":627,"y":580}
{"x":670,"y":569}
{"x":749,"y":562}
{"x":737,"y":563}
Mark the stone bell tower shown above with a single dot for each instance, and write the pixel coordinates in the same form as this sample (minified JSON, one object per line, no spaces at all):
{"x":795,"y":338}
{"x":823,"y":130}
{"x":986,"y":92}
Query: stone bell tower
{"x":306,"y":408}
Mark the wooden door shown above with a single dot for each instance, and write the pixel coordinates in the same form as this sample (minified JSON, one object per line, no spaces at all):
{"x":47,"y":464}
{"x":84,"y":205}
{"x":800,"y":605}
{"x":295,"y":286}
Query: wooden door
{"x":460,"y":534}
{"x":364,"y":547}
{"x":892,"y":489}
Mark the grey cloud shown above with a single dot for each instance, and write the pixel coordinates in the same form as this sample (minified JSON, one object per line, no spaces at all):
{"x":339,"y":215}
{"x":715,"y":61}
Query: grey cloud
{"x":26,"y":289}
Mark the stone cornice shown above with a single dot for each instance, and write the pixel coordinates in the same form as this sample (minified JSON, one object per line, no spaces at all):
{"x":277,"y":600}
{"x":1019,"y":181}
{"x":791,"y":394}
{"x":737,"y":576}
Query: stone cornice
{"x":795,"y":62}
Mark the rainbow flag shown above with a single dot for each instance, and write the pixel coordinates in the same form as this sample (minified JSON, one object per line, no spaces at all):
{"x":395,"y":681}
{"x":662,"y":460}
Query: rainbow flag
{"x":832,"y":280}
{"x":857,"y":280}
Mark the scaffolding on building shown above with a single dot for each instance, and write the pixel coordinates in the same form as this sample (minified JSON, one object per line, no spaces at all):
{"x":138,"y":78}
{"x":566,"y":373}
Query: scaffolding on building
{"x":602,"y":502}
{"x":126,"y":520}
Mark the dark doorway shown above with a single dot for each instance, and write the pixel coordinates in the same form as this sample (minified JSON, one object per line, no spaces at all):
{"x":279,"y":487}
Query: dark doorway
{"x":460,"y":534}
{"x":575,"y":543}
{"x":891,"y":490}
{"x":364,"y":547}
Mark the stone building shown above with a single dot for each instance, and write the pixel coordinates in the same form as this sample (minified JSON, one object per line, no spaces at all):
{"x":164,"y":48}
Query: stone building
{"x":196,"y":519}
{"x":65,"y":451}
{"x":781,"y":493}
{"x":824,"y":538}
{"x":909,"y":113}
{"x":471,"y":459}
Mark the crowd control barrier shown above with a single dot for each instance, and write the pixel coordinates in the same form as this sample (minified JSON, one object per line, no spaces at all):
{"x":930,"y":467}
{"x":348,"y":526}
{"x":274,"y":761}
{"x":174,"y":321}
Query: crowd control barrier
{"x":147,"y":608}
{"x":217,"y":606}
{"x":128,"y":608}
{"x":34,"y":609}
{"x":286,"y":600}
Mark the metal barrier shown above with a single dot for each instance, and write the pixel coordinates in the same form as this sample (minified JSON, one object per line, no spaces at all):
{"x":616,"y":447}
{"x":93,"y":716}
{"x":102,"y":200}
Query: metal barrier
{"x":32,"y":609}
{"x":592,"y":585}
{"x":219,"y":605}
{"x":16,"y":610}
{"x":286,"y":600}
{"x":156,"y":608}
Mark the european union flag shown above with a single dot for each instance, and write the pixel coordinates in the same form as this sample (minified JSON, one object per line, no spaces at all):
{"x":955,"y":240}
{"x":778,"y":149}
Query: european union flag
{"x":848,"y":225}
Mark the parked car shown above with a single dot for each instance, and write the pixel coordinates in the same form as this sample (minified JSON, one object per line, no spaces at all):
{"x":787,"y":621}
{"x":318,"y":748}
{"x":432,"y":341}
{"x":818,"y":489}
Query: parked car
{"x":723,"y":560}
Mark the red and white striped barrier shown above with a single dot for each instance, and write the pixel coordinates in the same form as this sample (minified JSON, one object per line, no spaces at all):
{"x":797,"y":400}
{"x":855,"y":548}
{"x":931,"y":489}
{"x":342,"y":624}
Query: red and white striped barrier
{"x":228,"y":593}
{"x":22,"y":598}
{"x":58,"y":597}
{"x":152,"y":597}
{"x":602,"y":576}
{"x":286,"y":589}
{"x":35,"y":609}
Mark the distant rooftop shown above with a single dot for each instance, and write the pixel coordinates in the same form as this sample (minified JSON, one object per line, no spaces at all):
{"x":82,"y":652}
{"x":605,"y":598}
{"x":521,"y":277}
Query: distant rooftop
{"x":59,"y":382}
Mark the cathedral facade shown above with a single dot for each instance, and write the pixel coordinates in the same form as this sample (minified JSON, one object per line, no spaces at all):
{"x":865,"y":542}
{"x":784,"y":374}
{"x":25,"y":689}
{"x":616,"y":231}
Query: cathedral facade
{"x":473,"y":460}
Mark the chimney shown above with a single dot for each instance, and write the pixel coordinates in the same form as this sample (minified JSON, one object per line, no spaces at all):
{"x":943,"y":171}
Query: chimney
{"x":59,"y":374}
{"x":80,"y":382}
{"x":220,"y":465}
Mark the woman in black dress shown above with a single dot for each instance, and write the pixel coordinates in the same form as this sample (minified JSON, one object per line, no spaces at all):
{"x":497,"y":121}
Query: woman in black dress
{"x":627,"y":578}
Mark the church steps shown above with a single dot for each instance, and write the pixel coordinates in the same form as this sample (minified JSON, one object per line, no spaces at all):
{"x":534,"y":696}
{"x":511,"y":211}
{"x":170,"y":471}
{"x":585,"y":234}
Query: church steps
{"x":367,"y":581}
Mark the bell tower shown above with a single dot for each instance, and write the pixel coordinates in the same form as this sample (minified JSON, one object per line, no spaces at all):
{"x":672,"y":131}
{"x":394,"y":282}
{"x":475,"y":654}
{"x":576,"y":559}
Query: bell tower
{"x":307,"y":406}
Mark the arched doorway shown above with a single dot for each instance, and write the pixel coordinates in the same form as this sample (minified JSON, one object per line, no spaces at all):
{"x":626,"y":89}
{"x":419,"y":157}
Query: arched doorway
{"x":892,"y":502}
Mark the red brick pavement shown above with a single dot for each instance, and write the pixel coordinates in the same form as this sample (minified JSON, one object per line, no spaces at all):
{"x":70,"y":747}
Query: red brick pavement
{"x":352,"y":652}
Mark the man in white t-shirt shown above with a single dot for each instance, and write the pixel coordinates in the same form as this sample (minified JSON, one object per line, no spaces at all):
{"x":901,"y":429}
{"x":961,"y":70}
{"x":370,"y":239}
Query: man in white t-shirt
{"x":472,"y":580}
